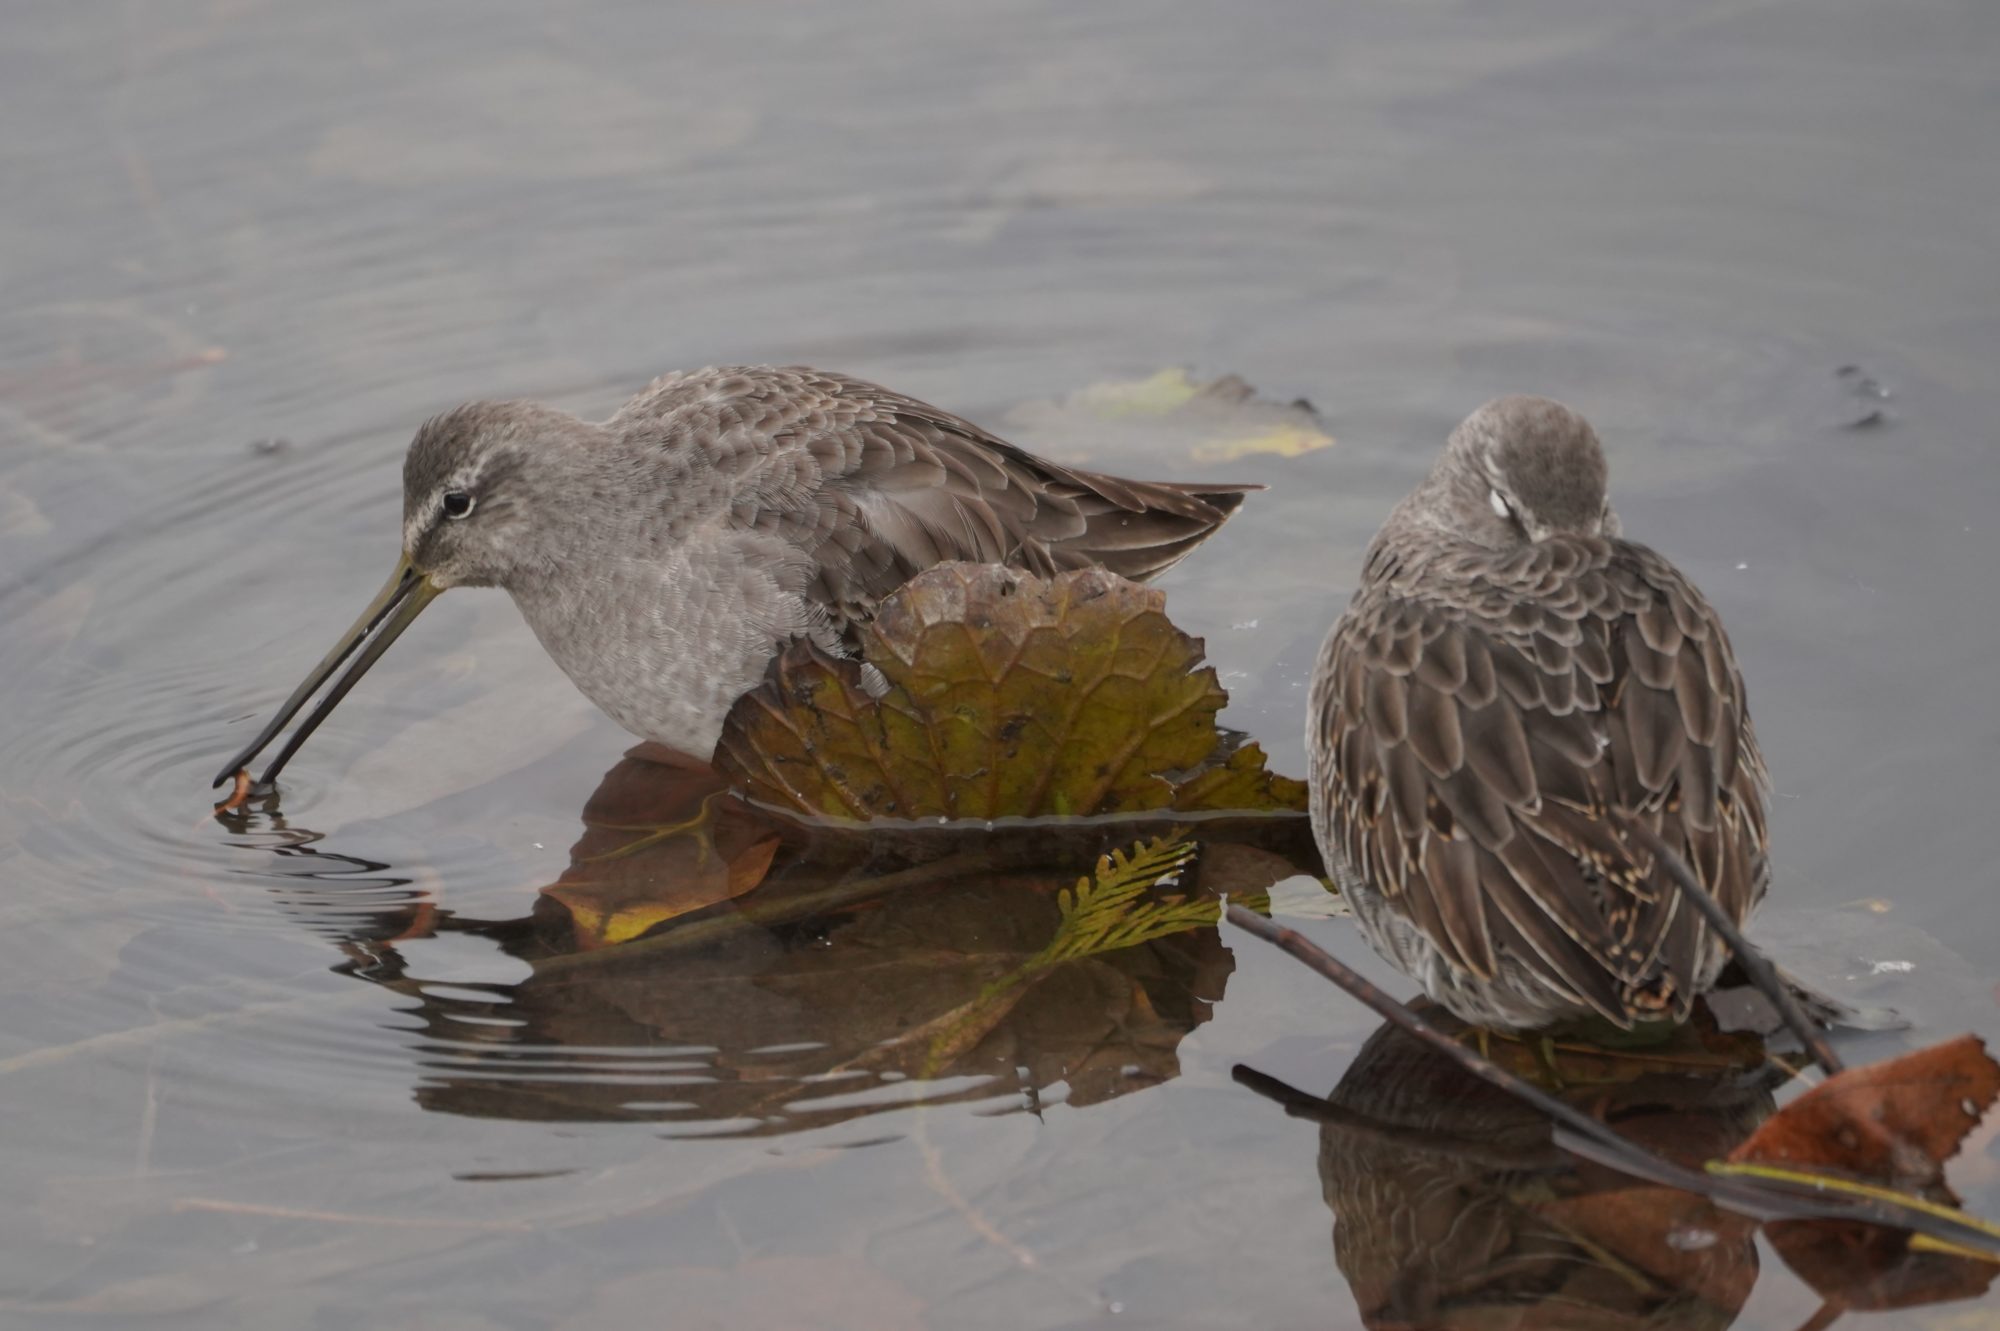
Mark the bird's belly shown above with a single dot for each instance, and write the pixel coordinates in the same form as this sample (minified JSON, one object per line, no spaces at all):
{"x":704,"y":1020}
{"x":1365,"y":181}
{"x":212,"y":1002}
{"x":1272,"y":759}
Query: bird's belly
{"x":664,"y":654}
{"x":678,"y":698}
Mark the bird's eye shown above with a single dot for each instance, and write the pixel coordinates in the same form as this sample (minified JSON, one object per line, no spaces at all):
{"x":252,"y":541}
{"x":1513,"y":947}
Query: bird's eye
{"x":1503,"y":508}
{"x":457,"y":504}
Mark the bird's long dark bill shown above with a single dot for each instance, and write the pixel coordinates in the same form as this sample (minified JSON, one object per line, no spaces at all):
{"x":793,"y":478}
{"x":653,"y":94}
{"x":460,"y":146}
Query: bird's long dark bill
{"x":399,"y":602}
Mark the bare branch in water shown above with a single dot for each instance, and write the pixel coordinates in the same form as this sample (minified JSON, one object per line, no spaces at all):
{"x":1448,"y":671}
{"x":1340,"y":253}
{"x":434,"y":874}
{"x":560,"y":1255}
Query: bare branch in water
{"x":1591,"y":1139}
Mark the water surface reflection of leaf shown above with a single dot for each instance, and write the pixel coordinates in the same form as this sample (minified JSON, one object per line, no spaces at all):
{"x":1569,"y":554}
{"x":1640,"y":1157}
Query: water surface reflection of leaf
{"x":999,"y":876}
{"x":862,"y":970}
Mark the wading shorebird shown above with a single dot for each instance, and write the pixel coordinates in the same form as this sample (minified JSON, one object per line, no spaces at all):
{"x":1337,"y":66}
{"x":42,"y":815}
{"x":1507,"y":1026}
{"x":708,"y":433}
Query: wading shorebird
{"x":665,"y":555}
{"x":1512,"y":683}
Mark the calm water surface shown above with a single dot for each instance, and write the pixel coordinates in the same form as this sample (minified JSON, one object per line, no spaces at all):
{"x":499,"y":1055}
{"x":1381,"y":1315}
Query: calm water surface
{"x":297,"y":1070}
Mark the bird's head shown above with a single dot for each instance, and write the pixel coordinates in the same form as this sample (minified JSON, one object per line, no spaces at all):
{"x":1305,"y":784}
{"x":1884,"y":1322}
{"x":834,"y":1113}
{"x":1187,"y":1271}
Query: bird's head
{"x":1521,"y":469}
{"x":475,"y":481}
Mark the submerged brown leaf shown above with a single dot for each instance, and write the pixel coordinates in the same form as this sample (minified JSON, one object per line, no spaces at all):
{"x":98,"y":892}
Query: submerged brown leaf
{"x":1009,"y":695}
{"x":659,"y":842}
{"x":1895,"y":1122}
{"x":1892,"y":1123}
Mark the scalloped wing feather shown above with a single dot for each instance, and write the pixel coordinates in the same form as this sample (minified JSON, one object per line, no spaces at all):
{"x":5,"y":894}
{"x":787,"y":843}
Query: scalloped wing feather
{"x":1472,"y":738}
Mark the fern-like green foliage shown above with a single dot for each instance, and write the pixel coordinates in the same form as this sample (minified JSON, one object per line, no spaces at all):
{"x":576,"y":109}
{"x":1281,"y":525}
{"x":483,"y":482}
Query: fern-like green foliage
{"x":1104,"y":912}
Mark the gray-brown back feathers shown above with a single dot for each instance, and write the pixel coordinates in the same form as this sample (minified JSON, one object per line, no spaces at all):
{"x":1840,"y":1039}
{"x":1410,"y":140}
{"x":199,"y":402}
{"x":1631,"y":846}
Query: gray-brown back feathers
{"x":875,"y":486}
{"x":1487,"y":710}
{"x":664,"y":555}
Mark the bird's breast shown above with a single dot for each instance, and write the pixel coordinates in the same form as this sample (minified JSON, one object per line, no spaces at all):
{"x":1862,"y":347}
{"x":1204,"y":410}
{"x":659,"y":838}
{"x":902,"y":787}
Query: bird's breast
{"x":665,"y":646}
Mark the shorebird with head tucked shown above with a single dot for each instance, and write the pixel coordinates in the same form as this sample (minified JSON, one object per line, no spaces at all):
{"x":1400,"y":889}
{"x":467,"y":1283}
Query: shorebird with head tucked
{"x":1511,"y":683}
{"x":665,"y":555}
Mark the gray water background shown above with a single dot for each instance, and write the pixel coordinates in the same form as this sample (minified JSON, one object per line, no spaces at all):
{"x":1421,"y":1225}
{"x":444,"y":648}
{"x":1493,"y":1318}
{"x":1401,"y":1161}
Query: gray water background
{"x":247,"y":246}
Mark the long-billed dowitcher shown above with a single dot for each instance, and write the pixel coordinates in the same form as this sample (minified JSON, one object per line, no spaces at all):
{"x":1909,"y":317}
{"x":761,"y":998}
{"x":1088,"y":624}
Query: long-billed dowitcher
{"x":663,"y":556}
{"x":1512,"y":681}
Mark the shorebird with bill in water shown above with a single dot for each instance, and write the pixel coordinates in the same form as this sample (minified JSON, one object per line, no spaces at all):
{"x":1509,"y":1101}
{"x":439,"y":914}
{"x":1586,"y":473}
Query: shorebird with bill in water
{"x":665,"y":555}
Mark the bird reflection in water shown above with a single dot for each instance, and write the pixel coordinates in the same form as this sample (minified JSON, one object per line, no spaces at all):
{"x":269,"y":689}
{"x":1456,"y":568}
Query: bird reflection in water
{"x":1453,"y":1208}
{"x":706,"y":963}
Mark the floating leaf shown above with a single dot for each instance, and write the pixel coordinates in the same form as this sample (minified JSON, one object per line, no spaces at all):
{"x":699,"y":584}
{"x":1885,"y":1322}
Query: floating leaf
{"x":1241,"y":783}
{"x":1894,"y":1123}
{"x":1008,"y":695}
{"x":659,"y":843}
{"x":1220,"y":420}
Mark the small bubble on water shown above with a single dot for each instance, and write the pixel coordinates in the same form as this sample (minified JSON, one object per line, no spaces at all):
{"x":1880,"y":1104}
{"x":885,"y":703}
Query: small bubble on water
{"x":1691,"y":1239}
{"x":1741,"y":567}
{"x":1891,"y":967}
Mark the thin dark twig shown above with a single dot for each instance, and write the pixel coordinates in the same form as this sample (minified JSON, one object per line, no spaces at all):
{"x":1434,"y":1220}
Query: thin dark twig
{"x":1593,"y":1140}
{"x":1403,"y":1019}
{"x":1761,"y":972}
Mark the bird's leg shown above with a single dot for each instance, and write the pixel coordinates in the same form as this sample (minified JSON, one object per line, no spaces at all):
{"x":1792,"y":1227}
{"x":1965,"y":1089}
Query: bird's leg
{"x":1541,"y":1045}
{"x":1545,"y":1059}
{"x":1479,"y":1038}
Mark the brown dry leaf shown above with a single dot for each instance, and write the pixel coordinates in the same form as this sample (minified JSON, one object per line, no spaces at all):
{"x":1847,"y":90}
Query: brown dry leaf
{"x":658,"y":843}
{"x":1680,"y":1241}
{"x":1870,"y":1269}
{"x":1008,"y":695}
{"x":688,"y":874}
{"x":1895,"y":1122}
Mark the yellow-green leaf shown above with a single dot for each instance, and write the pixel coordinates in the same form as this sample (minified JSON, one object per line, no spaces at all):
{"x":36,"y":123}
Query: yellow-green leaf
{"x":1009,"y":695}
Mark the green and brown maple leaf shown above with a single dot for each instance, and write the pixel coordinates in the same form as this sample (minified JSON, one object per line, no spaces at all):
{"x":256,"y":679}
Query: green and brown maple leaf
{"x":1009,"y":695}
